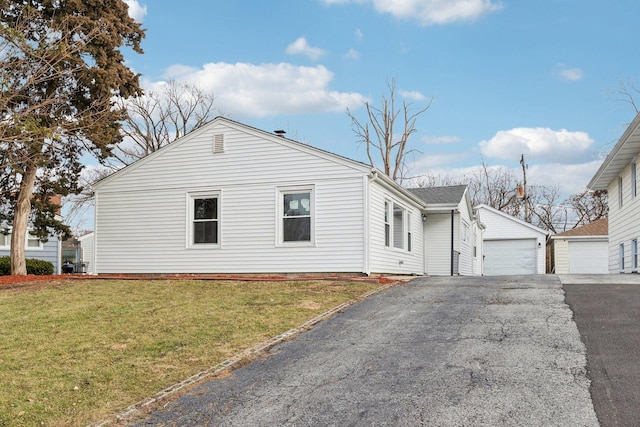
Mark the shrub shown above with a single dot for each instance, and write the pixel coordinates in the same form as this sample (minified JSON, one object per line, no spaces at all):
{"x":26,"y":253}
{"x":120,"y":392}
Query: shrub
{"x":34,"y":266}
{"x":5,"y":266}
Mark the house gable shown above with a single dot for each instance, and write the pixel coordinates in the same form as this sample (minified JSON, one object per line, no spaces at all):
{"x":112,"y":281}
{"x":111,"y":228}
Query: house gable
{"x":624,"y":152}
{"x":218,"y":143}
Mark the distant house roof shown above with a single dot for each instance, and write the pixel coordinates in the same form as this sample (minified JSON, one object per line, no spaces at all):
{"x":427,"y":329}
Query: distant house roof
{"x":450,"y":194}
{"x":596,"y":228}
{"x":625,"y":150}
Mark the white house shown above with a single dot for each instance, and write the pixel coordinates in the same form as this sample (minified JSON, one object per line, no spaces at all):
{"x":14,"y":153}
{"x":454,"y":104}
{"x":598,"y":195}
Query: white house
{"x":229,"y":198}
{"x":583,"y":250}
{"x":511,"y":246}
{"x":619,"y":176}
{"x":453,"y":232}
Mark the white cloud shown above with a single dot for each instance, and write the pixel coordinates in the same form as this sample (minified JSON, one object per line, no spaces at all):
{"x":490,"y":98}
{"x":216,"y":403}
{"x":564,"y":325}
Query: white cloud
{"x":566,"y":73}
{"x":570,"y":178}
{"x":359,"y":35}
{"x":412,"y":95}
{"x":539,"y":144}
{"x":352,"y":54}
{"x":301,"y":47}
{"x":136,"y":10}
{"x":249,"y":90}
{"x":433,"y":140}
{"x":430,"y":12}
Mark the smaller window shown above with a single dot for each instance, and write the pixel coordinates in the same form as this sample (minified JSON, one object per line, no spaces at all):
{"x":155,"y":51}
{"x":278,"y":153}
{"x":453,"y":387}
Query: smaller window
{"x":387,"y":224}
{"x":634,"y":187}
{"x":5,"y":240}
{"x":33,"y":242}
{"x":621,"y":257}
{"x":619,"y":191}
{"x":634,"y":254}
{"x":409,"y":232}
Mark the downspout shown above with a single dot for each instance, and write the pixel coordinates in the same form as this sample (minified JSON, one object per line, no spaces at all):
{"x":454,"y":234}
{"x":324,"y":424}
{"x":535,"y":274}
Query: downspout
{"x":452,"y":223}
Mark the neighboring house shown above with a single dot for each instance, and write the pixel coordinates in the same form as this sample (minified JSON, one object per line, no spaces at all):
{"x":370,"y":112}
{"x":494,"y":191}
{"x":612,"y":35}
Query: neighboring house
{"x":618,"y":174}
{"x":51,"y":250}
{"x":229,"y":198}
{"x":511,"y":246}
{"x":453,"y":233}
{"x":583,"y":250}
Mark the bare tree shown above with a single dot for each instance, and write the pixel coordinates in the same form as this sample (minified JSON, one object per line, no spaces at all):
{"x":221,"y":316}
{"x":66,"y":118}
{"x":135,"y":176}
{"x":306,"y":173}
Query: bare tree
{"x":379,"y":132}
{"x":157,"y":118}
{"x":627,"y":91}
{"x":152,"y":121}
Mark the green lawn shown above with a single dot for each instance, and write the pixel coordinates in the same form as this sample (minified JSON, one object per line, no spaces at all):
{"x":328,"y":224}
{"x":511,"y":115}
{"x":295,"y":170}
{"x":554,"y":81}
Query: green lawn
{"x":76,"y":352}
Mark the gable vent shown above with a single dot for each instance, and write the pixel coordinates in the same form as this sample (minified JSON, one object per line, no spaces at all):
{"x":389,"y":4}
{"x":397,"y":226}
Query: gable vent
{"x":218,"y":143}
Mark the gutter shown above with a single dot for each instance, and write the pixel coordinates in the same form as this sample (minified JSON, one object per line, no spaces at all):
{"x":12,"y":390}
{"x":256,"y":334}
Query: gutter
{"x":390,"y":184}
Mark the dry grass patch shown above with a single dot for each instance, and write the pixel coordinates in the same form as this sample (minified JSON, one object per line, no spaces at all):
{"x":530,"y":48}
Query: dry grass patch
{"x":76,"y":352}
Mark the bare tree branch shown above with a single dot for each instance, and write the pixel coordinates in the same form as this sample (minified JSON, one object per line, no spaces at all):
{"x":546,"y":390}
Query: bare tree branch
{"x":379,"y":136}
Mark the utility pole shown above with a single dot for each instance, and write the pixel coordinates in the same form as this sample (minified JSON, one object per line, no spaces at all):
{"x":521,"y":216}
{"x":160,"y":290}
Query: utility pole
{"x":525,"y":197}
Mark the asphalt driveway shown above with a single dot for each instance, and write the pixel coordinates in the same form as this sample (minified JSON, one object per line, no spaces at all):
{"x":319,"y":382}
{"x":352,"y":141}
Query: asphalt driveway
{"x":607,"y":312}
{"x":452,"y":351}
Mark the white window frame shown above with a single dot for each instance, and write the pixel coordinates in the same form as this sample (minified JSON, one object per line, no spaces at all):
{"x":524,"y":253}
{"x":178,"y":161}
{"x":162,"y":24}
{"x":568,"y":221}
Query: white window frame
{"x":466,"y":229}
{"x":634,"y":255}
{"x":281,"y":215}
{"x":620,"y":192}
{"x":621,"y":257}
{"x":390,"y":233}
{"x":5,"y":243}
{"x":191,"y":198}
{"x":28,"y":236}
{"x":33,"y":248}
{"x":634,"y":185}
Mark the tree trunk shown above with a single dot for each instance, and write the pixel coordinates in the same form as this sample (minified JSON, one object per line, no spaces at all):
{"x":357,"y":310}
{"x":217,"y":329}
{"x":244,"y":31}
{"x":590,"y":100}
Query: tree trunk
{"x":21,"y":220}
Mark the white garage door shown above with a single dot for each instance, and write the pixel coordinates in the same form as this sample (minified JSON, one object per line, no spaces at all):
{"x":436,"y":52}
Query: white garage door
{"x":507,"y":257}
{"x":588,"y":257}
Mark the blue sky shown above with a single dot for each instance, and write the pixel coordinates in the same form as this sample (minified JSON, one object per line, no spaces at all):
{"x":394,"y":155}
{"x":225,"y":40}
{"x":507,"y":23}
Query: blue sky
{"x":506,"y":77}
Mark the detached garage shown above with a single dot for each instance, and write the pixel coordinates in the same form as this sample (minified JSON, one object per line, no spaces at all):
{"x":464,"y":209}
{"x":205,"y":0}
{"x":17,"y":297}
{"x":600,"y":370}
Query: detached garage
{"x":583,"y":250}
{"x":511,"y":246}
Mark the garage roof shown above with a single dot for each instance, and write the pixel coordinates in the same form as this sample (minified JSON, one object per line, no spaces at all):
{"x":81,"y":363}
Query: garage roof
{"x":596,"y":228}
{"x":623,"y":153}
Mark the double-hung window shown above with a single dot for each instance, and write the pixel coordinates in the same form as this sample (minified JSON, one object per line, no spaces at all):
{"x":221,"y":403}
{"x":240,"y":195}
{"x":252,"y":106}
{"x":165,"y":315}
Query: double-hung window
{"x":621,"y":257}
{"x":397,"y":226}
{"x":204,"y":220}
{"x":634,"y":254}
{"x":296,"y":215}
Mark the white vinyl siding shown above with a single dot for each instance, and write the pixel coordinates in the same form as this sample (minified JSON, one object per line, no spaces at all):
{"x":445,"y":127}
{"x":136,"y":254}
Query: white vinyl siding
{"x":141,"y":212}
{"x":623,"y":221}
{"x":389,"y":259}
{"x":438,"y":244}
